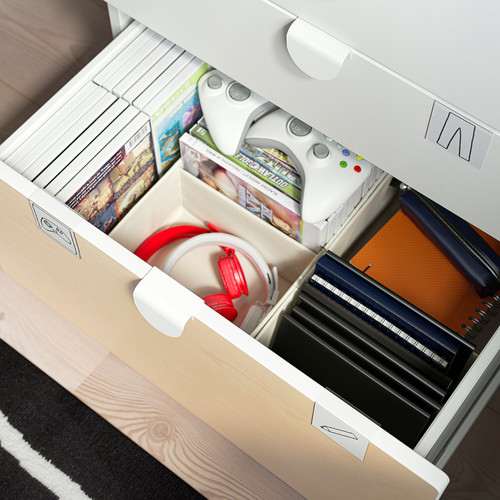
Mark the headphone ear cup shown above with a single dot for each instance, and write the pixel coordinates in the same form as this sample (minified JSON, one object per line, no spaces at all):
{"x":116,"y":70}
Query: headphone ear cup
{"x":232,"y":276}
{"x":222,"y":304}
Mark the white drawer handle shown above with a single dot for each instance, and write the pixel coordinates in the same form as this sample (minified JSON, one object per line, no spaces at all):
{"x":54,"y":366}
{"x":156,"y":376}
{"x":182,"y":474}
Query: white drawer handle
{"x":164,"y":303}
{"x":316,"y":53}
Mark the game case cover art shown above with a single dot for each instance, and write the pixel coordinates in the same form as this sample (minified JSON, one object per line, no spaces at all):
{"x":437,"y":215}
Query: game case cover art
{"x":176,"y":115}
{"x":110,"y":193}
{"x":260,"y":162}
{"x":243,"y":193}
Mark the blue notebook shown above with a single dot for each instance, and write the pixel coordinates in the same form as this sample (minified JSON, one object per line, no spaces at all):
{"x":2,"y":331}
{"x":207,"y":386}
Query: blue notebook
{"x":406,"y":324}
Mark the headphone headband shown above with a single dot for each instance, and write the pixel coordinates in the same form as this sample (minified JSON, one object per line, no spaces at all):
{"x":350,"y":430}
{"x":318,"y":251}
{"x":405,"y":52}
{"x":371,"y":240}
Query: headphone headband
{"x":269,"y":277}
{"x":158,"y":240}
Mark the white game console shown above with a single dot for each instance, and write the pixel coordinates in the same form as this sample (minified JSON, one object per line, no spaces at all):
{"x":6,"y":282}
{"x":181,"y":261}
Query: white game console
{"x":229,"y":109}
{"x":330,"y":173}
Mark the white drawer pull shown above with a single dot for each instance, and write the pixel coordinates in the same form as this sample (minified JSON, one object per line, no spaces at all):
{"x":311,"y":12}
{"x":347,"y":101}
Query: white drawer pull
{"x":164,"y":303}
{"x":316,"y":53}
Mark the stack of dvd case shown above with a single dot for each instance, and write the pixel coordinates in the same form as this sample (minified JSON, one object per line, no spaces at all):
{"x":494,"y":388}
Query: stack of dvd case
{"x":265,"y":183}
{"x":378,"y":352}
{"x":112,"y":140}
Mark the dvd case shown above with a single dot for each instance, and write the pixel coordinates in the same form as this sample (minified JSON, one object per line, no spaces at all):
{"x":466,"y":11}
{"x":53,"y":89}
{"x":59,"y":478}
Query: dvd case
{"x":47,"y":133}
{"x":69,"y":136}
{"x":143,"y":71}
{"x":116,"y":178}
{"x":174,"y":109}
{"x":84,"y":141}
{"x":151,"y":82}
{"x":91,"y":151}
{"x":250,"y":192}
{"x":137,"y":50}
{"x":113,"y":66}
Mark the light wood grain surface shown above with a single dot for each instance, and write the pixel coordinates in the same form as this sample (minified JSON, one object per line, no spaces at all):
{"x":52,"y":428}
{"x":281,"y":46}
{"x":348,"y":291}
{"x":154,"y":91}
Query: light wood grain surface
{"x":153,"y":420}
{"x":42,"y":45}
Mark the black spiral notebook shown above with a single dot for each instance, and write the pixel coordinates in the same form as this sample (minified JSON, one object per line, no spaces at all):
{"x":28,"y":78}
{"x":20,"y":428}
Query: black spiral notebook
{"x":330,"y":367}
{"x":354,"y":340}
{"x":448,"y":351}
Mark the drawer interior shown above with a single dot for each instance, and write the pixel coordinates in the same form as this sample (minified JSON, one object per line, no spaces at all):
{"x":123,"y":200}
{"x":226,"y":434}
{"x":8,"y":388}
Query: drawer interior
{"x":178,"y":198}
{"x":181,"y":199}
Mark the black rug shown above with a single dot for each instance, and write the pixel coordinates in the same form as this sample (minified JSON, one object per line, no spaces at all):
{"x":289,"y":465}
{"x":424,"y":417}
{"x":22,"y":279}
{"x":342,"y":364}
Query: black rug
{"x":48,"y":433}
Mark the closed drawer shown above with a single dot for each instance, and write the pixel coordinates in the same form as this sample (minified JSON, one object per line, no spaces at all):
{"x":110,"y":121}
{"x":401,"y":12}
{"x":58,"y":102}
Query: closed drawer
{"x":229,"y":379}
{"x":369,"y":106}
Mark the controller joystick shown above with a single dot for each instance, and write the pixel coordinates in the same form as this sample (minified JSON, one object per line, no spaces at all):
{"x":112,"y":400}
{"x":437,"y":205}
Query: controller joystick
{"x":229,"y":108}
{"x":330,"y":173}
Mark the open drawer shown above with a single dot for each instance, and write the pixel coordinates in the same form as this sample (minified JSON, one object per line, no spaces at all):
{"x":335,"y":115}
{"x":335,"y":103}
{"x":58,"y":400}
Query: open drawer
{"x":230,"y":379}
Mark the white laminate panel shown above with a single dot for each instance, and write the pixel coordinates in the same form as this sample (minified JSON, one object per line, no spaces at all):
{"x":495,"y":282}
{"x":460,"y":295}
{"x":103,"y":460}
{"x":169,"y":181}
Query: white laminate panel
{"x":446,"y":47}
{"x":369,"y":108}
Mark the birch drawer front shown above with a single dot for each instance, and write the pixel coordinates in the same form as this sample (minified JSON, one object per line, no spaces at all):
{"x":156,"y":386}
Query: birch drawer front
{"x":229,"y":379}
{"x":375,"y":106}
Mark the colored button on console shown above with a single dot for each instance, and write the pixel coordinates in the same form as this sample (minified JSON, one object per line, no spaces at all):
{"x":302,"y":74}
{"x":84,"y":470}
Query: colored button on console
{"x":343,"y":164}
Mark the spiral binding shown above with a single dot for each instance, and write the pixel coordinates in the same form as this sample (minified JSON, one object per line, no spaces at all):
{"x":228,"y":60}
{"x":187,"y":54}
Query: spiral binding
{"x":483,"y":318}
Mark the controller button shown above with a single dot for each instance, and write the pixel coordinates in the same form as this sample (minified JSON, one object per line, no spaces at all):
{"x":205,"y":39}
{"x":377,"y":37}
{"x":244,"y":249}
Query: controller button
{"x":359,"y":157}
{"x":299,"y":128}
{"x":321,"y":151}
{"x":239,"y":92}
{"x":214,"y":82}
{"x":357,"y":168}
{"x":346,"y":152}
{"x":343,"y":164}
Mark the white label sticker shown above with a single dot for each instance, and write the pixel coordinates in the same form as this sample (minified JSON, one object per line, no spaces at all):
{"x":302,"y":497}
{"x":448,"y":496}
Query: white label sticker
{"x":340,"y":432}
{"x":55,"y":229}
{"x":458,"y":135}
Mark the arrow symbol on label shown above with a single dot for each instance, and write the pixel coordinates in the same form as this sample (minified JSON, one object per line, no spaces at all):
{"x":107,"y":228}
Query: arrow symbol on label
{"x":339,"y":432}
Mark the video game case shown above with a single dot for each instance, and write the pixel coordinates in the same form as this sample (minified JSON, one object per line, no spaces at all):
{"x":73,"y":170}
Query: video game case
{"x":116,"y":178}
{"x":174,"y":109}
{"x":400,"y":351}
{"x":366,"y":344}
{"x":142,"y":69}
{"x":250,"y":192}
{"x":179,"y":60}
{"x":149,"y":78}
{"x":133,"y":53}
{"x":421,"y":333}
{"x":91,"y":151}
{"x":80,"y":144}
{"x":279,"y":166}
{"x":115,"y":66}
{"x":48,"y":132}
{"x":257,"y":168}
{"x":332,"y":369}
{"x":69,"y":136}
{"x":275,"y":161}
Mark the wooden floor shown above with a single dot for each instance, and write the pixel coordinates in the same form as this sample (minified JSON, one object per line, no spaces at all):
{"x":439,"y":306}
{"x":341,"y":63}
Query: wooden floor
{"x":42,"y":45}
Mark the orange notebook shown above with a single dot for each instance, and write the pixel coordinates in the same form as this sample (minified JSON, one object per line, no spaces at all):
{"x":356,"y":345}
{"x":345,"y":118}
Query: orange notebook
{"x":401,"y":258}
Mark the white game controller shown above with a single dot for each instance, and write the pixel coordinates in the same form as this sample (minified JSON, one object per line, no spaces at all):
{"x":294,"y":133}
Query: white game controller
{"x":330,"y":173}
{"x":229,"y":108}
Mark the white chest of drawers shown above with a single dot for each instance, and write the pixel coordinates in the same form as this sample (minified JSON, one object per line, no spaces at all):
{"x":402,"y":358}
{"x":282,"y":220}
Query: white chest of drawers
{"x":228,"y":379}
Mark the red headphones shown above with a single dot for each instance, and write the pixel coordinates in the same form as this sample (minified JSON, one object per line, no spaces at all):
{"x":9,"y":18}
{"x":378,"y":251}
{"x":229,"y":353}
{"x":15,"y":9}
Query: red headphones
{"x":229,"y":266}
